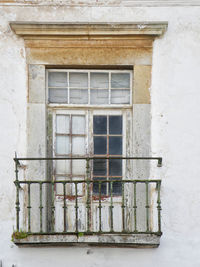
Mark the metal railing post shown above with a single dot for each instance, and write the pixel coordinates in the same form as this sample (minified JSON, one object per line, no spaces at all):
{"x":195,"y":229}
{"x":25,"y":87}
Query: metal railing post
{"x":29,"y":207}
{"x":159,"y":206}
{"x":88,"y":193}
{"x":64,"y":207}
{"x":147,"y":206}
{"x":111,"y":206}
{"x":41,"y":208}
{"x":17,"y":203}
{"x":135,"y":207}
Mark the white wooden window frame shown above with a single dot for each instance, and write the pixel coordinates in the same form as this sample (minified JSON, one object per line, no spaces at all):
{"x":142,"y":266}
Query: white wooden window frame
{"x":89,"y":111}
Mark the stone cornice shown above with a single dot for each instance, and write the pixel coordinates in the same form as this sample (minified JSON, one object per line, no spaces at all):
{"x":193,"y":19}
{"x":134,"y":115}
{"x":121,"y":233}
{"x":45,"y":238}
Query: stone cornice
{"x":97,"y":31}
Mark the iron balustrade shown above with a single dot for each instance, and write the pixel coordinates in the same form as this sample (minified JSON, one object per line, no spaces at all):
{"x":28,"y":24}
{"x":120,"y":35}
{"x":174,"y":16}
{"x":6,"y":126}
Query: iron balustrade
{"x":127,"y":201}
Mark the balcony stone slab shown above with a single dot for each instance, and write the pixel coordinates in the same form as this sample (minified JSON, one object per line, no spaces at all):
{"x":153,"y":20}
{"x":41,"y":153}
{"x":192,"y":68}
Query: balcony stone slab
{"x":112,"y":240}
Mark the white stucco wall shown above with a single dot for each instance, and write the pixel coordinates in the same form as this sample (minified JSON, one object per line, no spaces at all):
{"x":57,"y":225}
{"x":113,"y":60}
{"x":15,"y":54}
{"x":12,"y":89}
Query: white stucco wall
{"x":175,"y":135}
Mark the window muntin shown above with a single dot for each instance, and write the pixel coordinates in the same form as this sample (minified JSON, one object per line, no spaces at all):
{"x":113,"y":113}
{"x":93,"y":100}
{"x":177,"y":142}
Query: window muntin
{"x":70,"y":141}
{"x":107,"y":141}
{"x":89,"y":87}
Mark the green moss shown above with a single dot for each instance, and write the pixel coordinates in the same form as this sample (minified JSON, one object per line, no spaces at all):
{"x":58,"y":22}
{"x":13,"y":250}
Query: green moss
{"x":80,"y":234}
{"x":19,"y":235}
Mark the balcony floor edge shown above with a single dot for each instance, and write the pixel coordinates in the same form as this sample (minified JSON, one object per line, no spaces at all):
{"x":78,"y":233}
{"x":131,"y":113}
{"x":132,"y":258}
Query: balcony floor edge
{"x":111,"y":240}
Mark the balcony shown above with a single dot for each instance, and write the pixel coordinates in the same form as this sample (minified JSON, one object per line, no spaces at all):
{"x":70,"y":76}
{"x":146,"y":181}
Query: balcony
{"x":87,"y":210}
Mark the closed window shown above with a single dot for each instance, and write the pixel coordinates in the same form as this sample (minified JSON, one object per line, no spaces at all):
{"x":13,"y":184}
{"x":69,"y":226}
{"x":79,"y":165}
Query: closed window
{"x":95,"y":127}
{"x":89,"y":87}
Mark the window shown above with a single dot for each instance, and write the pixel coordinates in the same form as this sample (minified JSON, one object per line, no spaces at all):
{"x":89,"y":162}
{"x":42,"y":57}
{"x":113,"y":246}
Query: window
{"x":91,"y":130}
{"x":96,"y":87}
{"x":91,"y":118}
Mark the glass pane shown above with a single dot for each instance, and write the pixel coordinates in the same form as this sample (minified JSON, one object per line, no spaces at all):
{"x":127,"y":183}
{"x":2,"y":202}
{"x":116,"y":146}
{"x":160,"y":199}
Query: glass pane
{"x":63,"y":167}
{"x":78,"y":124}
{"x":120,"y":80}
{"x":115,"y":145}
{"x":62,"y":124}
{"x":99,"y":96}
{"x":99,"y":80}
{"x":59,"y":186}
{"x":62,"y":144}
{"x":79,"y":188}
{"x":58,"y":95}
{"x":100,"y":145}
{"x":116,"y":187}
{"x":99,"y":167}
{"x":96,"y":186}
{"x":115,"y":167}
{"x":78,"y":167}
{"x":58,"y":79}
{"x":120,"y":96}
{"x":78,"y":79}
{"x":100,"y":125}
{"x":78,"y":96}
{"x":78,"y":145}
{"x":115,"y":124}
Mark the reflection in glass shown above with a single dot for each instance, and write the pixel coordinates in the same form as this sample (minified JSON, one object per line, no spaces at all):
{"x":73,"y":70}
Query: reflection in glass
{"x":99,"y":96}
{"x":116,"y":187}
{"x":120,"y":96}
{"x":62,"y":124}
{"x":58,"y":79}
{"x":62,"y":144}
{"x":96,"y":186}
{"x":115,"y":145}
{"x":100,"y":145}
{"x":115,"y":167}
{"x":78,"y":96}
{"x":78,"y":124}
{"x":78,"y":80}
{"x":99,"y":80}
{"x":115,"y":124}
{"x":58,"y":95}
{"x":100,"y":125}
{"x":78,"y":145}
{"x":62,"y":166}
{"x":99,"y":167}
{"x":78,"y":167}
{"x":120,"y":80}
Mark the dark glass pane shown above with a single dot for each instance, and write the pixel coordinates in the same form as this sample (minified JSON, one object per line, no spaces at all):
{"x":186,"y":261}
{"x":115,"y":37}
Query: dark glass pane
{"x":100,"y":125}
{"x":116,"y":187}
{"x":115,"y":145}
{"x":99,"y":167}
{"x":100,"y":145}
{"x":115,"y":124}
{"x":115,"y":167}
{"x":96,"y":186}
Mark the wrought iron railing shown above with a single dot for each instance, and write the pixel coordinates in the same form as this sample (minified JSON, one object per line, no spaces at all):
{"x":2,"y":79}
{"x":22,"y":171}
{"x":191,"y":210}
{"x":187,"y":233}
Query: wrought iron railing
{"x":128,"y":206}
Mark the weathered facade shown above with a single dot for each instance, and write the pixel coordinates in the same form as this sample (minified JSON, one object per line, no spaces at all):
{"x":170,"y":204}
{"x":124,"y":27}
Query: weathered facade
{"x":115,"y":80}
